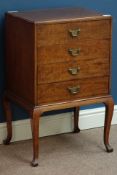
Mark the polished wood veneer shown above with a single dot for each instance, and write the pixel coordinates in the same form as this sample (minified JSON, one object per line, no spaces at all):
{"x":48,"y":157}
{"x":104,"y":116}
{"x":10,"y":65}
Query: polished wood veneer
{"x":52,"y":31}
{"x":58,"y":92}
{"x":89,"y":49}
{"x":56,"y":59}
{"x":48,"y":73}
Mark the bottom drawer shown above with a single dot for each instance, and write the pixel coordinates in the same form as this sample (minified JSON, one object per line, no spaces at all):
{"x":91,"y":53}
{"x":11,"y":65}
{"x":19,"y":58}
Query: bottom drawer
{"x":72,"y":90}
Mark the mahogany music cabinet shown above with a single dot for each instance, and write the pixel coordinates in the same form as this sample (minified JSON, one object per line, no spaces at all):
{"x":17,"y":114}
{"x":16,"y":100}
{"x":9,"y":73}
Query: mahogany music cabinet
{"x":57,"y":59}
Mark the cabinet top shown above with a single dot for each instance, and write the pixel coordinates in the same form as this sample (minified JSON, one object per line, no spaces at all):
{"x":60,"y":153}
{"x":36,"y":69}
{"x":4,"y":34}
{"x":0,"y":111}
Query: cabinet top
{"x":56,"y":14}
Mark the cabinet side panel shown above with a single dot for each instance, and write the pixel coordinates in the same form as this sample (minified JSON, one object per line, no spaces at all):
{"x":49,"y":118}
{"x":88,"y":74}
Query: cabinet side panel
{"x":20,"y":55}
{"x":110,"y":82}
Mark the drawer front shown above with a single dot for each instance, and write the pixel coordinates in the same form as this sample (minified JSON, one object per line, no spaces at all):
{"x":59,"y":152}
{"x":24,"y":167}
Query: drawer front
{"x":62,"y":33}
{"x":80,"y":50}
{"x":48,"y":73}
{"x":71,"y":90}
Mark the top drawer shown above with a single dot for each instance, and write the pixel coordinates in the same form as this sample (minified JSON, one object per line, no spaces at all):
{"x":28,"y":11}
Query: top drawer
{"x":61,"y":33}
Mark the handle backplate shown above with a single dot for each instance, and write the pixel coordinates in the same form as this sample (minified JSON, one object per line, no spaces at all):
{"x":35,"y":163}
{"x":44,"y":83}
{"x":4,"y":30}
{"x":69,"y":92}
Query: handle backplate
{"x":74,"y":90}
{"x":75,"y":32}
{"x":74,"y":71}
{"x":74,"y":52}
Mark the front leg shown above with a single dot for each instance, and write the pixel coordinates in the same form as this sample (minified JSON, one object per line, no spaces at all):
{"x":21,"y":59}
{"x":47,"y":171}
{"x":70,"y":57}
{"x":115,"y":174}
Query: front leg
{"x":109,"y":104}
{"x":76,"y":119}
{"x":8,"y":115}
{"x":35,"y":136}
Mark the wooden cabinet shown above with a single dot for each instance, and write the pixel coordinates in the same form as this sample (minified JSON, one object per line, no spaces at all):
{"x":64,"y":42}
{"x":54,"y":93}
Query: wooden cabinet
{"x":55,"y":59}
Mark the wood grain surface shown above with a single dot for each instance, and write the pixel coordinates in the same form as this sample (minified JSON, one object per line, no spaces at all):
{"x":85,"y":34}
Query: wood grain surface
{"x":48,"y":73}
{"x":59,"y":33}
{"x":89,"y":49}
{"x":92,"y":87}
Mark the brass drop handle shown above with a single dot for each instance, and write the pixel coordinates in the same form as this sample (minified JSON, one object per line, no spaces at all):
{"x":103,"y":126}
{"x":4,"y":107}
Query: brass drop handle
{"x":74,"y":71}
{"x":75,"y":32}
{"x":74,"y":52}
{"x":74,"y":90}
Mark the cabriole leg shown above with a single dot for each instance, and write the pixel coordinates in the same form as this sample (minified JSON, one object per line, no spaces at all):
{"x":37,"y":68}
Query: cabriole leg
{"x":109,"y":105}
{"x":35,"y":136}
{"x":8,"y":115}
{"x":76,"y":119}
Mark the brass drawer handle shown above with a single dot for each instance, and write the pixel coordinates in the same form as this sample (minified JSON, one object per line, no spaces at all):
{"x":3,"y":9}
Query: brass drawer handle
{"x":74,"y":71}
{"x":74,"y":52}
{"x":74,"y":90}
{"x":75,"y":32}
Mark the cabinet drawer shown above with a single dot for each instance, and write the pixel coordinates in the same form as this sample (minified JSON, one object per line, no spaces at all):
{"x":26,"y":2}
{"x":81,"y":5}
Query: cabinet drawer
{"x":48,"y":73}
{"x":56,"y":92}
{"x":60,"y":33}
{"x":83,"y":50}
